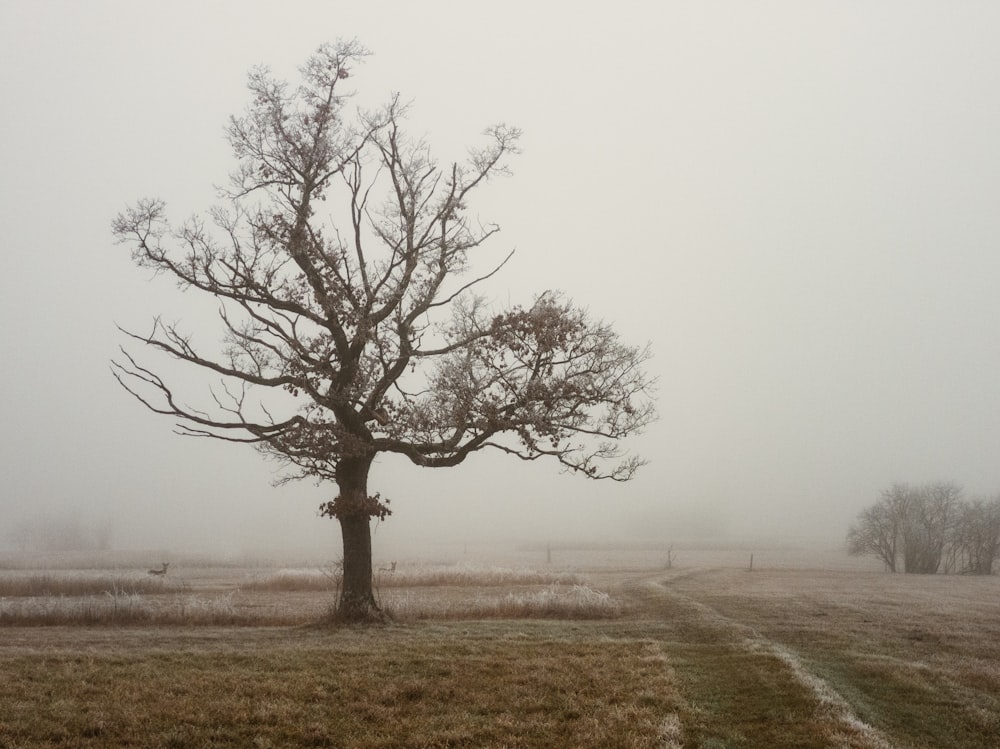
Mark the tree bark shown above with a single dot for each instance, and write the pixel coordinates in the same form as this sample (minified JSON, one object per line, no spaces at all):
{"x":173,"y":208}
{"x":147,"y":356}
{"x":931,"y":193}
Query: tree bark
{"x":353,"y":511}
{"x":357,"y":601}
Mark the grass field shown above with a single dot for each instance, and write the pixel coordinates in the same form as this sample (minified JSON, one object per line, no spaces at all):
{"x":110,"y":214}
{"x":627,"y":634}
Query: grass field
{"x":602,"y":648}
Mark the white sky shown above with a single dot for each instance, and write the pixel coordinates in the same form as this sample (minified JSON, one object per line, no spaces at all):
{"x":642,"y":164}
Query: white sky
{"x":795,"y":203}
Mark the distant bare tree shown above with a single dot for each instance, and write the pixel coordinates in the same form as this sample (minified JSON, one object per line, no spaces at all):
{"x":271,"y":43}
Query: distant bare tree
{"x":351,"y":327}
{"x":976,"y":537}
{"x":876,"y":531}
{"x":921,"y":526}
{"x":927,"y":526}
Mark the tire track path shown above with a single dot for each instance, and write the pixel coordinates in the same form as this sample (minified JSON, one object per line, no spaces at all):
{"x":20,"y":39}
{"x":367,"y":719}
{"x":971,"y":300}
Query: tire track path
{"x":741,"y":689}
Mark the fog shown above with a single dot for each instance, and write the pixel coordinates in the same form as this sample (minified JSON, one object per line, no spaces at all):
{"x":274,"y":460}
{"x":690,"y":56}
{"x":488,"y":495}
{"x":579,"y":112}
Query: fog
{"x":794,"y":203}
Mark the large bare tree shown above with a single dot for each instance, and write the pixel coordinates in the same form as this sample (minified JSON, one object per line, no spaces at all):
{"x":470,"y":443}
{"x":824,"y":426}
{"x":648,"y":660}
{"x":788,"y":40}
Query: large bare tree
{"x":343,"y":260}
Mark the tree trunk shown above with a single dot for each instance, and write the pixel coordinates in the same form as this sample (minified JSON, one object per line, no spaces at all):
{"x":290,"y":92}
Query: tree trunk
{"x":357,"y":601}
{"x":354,"y":511}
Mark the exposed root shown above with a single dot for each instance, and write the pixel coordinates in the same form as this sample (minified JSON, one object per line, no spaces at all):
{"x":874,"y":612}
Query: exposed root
{"x":361,"y":610}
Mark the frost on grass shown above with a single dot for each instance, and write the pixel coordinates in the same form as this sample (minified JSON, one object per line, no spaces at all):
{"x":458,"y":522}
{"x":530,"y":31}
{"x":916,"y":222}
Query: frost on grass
{"x":429,"y":575}
{"x":295,"y":580}
{"x":554,"y":602}
{"x":475,"y":575}
{"x":672,"y":732}
{"x":118,"y":608}
{"x":831,"y":702}
{"x":77,"y":584}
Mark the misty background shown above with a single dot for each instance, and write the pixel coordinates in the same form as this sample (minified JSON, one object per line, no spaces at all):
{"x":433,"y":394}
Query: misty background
{"x":795,"y":203}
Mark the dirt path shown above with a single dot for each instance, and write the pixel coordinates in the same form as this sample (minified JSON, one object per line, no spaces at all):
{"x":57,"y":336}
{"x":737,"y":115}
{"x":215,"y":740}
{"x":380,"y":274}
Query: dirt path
{"x":742,"y":690}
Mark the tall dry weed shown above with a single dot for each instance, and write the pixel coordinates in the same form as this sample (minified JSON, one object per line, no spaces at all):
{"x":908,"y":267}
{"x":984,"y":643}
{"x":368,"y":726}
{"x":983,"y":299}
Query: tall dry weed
{"x":122,"y":608}
{"x":555,"y":602}
{"x":48,"y":584}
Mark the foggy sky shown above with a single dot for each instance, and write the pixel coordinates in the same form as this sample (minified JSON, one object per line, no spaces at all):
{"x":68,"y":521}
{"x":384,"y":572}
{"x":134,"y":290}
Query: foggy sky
{"x":795,"y":203}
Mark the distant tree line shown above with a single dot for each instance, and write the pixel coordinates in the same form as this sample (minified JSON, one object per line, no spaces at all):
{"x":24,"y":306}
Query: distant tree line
{"x":928,"y":529}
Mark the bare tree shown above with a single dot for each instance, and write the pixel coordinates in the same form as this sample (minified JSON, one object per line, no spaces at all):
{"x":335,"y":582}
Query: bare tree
{"x":915,"y":523}
{"x":364,"y":333}
{"x":976,"y":537}
{"x":927,"y":526}
{"x":876,"y":531}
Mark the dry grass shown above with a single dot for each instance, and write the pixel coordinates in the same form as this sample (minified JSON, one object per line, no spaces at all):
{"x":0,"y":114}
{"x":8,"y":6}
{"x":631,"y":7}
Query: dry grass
{"x":474,"y":575}
{"x":412,"y":576}
{"x":433,"y":686}
{"x":552,"y":602}
{"x":790,"y":655}
{"x":291,"y":596}
{"x":294,"y":580}
{"x":132,"y":561}
{"x":76,"y":584}
{"x":885,"y":660}
{"x":117,"y":609}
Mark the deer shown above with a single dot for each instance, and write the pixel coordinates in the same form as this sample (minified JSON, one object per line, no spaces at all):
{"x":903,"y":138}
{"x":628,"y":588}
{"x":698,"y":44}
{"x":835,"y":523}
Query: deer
{"x":160,"y":573}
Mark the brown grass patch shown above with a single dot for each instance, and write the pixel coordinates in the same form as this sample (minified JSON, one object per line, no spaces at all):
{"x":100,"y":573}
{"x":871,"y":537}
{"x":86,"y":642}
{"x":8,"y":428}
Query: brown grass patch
{"x":117,"y":609}
{"x":75,"y":584}
{"x":457,"y":686}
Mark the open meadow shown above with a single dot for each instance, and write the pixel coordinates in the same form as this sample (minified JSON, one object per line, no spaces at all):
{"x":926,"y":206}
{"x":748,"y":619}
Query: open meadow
{"x":599,"y":647}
